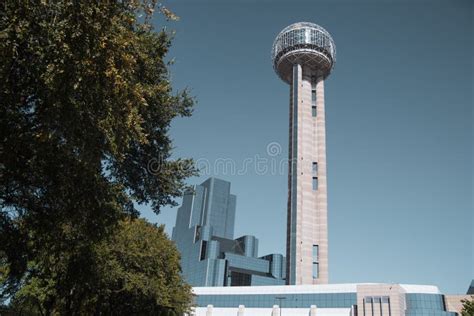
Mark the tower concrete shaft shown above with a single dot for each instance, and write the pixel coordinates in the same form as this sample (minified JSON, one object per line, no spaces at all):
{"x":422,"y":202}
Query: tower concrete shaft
{"x":307,"y":225}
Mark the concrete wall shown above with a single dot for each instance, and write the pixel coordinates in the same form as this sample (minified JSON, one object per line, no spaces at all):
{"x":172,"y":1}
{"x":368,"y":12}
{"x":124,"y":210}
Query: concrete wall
{"x":453,"y":302}
{"x":394,"y":307}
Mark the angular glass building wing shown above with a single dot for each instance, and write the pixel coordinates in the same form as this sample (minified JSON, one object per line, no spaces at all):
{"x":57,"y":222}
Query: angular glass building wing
{"x":204,"y":233}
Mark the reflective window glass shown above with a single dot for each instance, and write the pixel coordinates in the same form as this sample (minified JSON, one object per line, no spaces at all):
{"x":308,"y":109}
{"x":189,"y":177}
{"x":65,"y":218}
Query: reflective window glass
{"x":315,"y":253}
{"x":315,"y":270}
{"x":315,"y":183}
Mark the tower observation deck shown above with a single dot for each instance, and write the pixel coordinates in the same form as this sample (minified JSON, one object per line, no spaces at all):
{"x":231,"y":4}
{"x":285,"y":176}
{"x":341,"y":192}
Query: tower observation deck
{"x":303,"y":56}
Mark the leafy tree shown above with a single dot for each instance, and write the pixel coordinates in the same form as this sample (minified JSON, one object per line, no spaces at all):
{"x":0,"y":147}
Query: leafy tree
{"x":138,"y":273}
{"x":141,"y":272}
{"x":468,"y":307}
{"x":85,"y":108}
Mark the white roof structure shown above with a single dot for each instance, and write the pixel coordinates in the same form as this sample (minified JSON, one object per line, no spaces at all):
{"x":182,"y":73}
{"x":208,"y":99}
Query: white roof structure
{"x":304,"y":289}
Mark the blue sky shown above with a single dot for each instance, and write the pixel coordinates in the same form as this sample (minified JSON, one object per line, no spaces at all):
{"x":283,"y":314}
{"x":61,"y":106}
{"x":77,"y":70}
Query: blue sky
{"x":399,"y":124}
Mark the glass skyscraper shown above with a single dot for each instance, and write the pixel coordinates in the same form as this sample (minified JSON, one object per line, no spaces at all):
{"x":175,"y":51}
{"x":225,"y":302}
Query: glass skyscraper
{"x":210,"y":256}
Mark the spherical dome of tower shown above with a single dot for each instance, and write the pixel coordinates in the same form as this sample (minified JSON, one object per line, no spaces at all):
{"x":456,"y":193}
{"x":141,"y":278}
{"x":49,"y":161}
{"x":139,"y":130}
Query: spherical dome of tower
{"x":303,"y":43}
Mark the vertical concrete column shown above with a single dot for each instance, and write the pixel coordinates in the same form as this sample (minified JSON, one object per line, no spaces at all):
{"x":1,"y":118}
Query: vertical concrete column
{"x":312,"y":310}
{"x":293,"y":249}
{"x":275,"y":310}
{"x":241,"y":311}
{"x":368,"y":309}
{"x":386,"y":308}
{"x":321,"y":205}
{"x":377,"y":307}
{"x":307,"y":198}
{"x":209,"y":310}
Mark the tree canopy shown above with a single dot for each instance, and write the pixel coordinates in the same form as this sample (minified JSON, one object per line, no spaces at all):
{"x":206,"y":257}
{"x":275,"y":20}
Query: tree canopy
{"x":137,"y":273}
{"x":468,"y":307}
{"x":85,"y":109}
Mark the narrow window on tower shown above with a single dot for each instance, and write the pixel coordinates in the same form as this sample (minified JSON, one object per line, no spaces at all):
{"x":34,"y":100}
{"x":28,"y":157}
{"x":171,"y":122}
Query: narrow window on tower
{"x":315,"y":169}
{"x":315,"y":270}
{"x":315,"y":261}
{"x":315,"y":253}
{"x":202,"y":255}
{"x":315,"y":183}
{"x":314,"y":110}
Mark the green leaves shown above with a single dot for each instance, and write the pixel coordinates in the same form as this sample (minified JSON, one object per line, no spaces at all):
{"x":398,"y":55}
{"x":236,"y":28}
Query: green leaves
{"x":136,"y":272}
{"x":142,"y":265}
{"x":468,"y":307}
{"x":85,"y":105}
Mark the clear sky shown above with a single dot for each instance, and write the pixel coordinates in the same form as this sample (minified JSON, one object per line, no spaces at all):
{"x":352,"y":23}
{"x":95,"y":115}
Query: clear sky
{"x":399,"y":118}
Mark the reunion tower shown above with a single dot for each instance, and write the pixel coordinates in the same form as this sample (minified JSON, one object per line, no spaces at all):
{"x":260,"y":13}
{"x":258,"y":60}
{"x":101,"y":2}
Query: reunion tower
{"x":303,"y":56}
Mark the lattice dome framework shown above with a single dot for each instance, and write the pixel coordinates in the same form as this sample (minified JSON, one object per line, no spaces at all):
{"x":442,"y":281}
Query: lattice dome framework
{"x":303,"y":43}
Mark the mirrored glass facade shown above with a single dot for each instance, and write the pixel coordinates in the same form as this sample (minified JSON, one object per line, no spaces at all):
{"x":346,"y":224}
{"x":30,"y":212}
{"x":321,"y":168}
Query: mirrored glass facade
{"x":470,"y":290}
{"x":303,"y":300}
{"x":204,"y":233}
{"x":418,"y":304}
